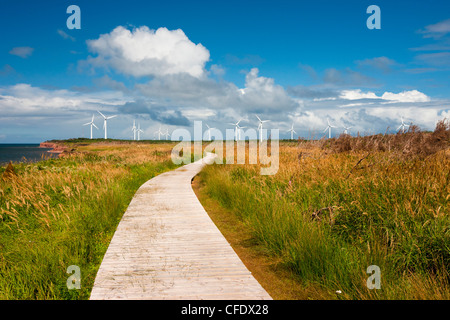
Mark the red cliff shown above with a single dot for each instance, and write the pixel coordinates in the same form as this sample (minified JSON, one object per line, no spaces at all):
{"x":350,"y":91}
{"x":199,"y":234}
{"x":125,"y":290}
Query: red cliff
{"x":55,"y":148}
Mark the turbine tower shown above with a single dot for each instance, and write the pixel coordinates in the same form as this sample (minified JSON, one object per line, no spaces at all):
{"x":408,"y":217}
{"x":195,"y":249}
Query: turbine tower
{"x":139,"y":132}
{"x":260,"y":127}
{"x":329,"y":128}
{"x":134,"y":129}
{"x":105,"y":123}
{"x":402,"y":126}
{"x":92,"y":124}
{"x":292,"y":131}
{"x":159,"y":133}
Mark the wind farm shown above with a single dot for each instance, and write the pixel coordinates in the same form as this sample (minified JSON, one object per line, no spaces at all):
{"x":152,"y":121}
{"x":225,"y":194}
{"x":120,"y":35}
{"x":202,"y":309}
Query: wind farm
{"x":239,"y":151}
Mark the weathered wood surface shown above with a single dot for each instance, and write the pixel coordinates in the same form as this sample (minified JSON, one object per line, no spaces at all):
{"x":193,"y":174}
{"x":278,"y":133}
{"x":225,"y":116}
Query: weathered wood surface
{"x":167,"y":247}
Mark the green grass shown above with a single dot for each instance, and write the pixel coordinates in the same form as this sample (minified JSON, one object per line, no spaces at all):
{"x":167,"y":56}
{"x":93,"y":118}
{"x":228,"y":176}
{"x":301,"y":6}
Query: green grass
{"x":64,"y":212}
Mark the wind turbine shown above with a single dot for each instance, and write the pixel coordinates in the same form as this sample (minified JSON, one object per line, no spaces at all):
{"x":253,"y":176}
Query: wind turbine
{"x":346,"y":129}
{"x":209,"y":132}
{"x":134,"y":129}
{"x":260,"y":127}
{"x":236,"y":128}
{"x":403,"y":125}
{"x":167,"y":134}
{"x":159,"y":132}
{"x":105,"y":123}
{"x":92,"y":124}
{"x":329,"y":128}
{"x":292,"y":131}
{"x":239,"y":131}
{"x":139,"y":131}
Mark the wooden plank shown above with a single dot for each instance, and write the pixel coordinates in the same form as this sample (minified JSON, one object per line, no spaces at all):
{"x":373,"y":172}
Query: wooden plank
{"x":167,"y":247}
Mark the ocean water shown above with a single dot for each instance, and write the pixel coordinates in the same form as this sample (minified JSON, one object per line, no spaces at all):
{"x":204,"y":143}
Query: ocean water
{"x":23,"y":153}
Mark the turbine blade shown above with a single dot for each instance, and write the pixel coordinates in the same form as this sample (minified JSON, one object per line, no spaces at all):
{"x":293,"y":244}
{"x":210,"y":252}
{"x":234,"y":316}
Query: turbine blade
{"x":94,"y":125}
{"x":101,"y":114}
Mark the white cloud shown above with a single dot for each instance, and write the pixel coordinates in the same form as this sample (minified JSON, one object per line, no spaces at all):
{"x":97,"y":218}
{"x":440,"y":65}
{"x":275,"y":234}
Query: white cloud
{"x":405,"y":96}
{"x":23,"y":52}
{"x":144,"y":52}
{"x":357,"y":94}
{"x":262,"y":93}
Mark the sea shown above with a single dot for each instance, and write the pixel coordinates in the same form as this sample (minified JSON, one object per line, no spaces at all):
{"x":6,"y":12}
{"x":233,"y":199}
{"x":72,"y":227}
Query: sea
{"x":23,"y":153}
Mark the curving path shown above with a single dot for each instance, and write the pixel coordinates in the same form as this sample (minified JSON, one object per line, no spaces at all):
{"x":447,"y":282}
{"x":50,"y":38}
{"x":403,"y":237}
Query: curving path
{"x":167,"y":247}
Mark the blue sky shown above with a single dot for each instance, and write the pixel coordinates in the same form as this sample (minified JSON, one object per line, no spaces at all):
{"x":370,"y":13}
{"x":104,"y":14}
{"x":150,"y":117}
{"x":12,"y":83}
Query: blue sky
{"x":171,"y":63}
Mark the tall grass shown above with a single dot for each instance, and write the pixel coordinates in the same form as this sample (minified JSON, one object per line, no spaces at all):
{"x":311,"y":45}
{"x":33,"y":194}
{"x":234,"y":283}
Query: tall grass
{"x":328,"y":214}
{"x":63,"y":212}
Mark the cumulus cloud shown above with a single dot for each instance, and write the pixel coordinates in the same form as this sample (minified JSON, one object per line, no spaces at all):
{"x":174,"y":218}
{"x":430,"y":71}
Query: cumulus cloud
{"x":262,"y":94}
{"x":406,"y":96}
{"x":146,"y":52}
{"x":259,"y":94}
{"x":23,"y":52}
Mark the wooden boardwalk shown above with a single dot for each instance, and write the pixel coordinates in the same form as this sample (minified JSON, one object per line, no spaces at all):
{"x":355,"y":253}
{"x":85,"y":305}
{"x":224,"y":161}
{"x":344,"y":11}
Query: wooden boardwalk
{"x":167,"y":247}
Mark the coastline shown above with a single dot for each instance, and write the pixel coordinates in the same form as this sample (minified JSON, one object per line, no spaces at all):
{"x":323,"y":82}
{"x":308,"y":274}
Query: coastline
{"x":54,"y":148}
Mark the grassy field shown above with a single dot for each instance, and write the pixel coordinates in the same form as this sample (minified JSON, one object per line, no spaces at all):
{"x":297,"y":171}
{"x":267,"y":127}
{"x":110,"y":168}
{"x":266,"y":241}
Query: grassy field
{"x":338,"y":206}
{"x":334,"y":208}
{"x":62,"y":212}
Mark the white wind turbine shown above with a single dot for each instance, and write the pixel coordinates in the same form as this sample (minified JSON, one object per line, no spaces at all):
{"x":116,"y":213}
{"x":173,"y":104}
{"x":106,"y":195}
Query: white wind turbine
{"x":260,"y":127}
{"x":329,"y":128}
{"x":105,"y":123}
{"x":139,"y":130}
{"x":92,"y":124}
{"x":402,"y":126}
{"x":209,"y":132}
{"x":167,"y":134}
{"x":236,"y":128}
{"x":159,"y":133}
{"x":292,"y":131}
{"x":239,"y":131}
{"x":134,"y":129}
{"x":346,"y":129}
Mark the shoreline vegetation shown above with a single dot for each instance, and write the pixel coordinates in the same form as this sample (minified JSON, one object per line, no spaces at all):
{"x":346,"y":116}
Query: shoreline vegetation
{"x":335,"y":207}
